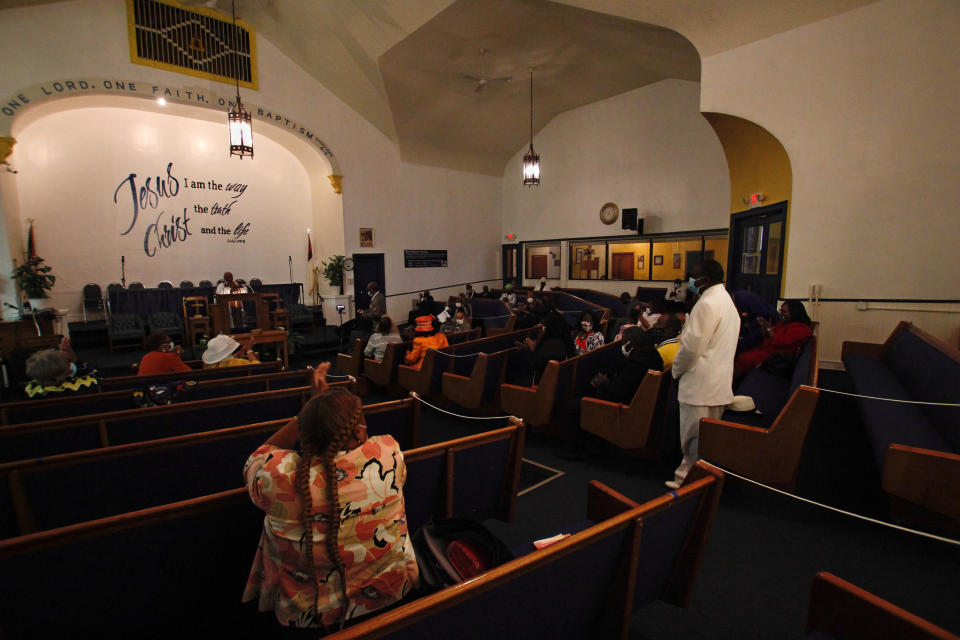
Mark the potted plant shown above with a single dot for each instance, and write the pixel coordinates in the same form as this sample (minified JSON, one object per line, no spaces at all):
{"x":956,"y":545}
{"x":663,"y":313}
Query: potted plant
{"x":33,"y":278}
{"x":333,"y":271}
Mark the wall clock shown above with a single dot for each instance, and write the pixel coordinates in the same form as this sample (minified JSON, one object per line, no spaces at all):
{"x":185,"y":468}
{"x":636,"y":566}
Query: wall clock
{"x":609,"y":213}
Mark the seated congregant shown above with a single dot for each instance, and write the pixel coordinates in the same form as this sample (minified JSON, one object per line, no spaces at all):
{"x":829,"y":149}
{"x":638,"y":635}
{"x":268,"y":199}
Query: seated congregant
{"x":426,"y":338}
{"x":786,"y":337}
{"x":335,"y":544}
{"x":456,"y":323}
{"x":587,"y":337}
{"x":56,"y":373}
{"x":385,"y":334}
{"x":221,"y":353}
{"x":161,"y":357}
{"x":752,"y":307}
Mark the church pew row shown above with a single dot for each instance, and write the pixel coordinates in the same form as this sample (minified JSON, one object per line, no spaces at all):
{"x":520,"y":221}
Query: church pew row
{"x":601,"y":298}
{"x":159,"y":571}
{"x":352,"y":363}
{"x":495,"y":316}
{"x":585,"y":586}
{"x":539,"y":404}
{"x":49,"y":437}
{"x":572,"y":306}
{"x":428,"y":379}
{"x":638,"y":427}
{"x":480,"y":389}
{"x":843,"y":611}
{"x":75,"y":487}
{"x":751,"y":445}
{"x":114,"y":383}
{"x":121,"y":399}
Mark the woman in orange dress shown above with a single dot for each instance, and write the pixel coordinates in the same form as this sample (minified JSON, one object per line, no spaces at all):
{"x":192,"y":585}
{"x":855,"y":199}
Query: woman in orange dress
{"x":426,"y":338}
{"x":334,"y":543}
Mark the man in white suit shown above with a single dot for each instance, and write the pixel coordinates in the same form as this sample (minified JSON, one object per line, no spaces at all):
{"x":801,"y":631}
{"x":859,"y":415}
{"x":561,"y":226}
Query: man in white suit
{"x":704,"y":363}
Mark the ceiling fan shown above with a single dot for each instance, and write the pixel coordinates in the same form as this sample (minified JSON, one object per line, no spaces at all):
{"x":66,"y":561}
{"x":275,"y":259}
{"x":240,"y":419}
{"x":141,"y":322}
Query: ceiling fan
{"x":483,"y":80}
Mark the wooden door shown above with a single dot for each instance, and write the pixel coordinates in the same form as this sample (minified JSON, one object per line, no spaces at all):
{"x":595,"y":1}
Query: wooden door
{"x":623,"y":266}
{"x":538,"y":267}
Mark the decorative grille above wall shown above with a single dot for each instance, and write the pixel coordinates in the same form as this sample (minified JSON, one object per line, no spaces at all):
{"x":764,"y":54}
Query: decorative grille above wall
{"x":204,"y":44}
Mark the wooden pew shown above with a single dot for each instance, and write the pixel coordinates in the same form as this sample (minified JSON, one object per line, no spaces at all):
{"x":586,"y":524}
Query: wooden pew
{"x":121,"y":399}
{"x":569,"y":303}
{"x":75,"y":487}
{"x":384,"y":373}
{"x":427,"y":380}
{"x":136,"y":382}
{"x":352,"y":364}
{"x":768,"y":455}
{"x":482,"y":386}
{"x":495,"y":315}
{"x":48,"y":437}
{"x":844,"y":611}
{"x":636,"y":427}
{"x":538,"y":405}
{"x":158,"y":571}
{"x":922,"y":441}
{"x":584,"y":586}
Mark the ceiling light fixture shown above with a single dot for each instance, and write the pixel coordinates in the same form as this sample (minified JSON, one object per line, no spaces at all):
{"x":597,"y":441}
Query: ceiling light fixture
{"x":241,"y":127}
{"x":531,"y":161}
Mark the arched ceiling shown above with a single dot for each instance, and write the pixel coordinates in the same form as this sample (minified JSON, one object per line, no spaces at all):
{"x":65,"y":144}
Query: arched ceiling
{"x":400,"y":63}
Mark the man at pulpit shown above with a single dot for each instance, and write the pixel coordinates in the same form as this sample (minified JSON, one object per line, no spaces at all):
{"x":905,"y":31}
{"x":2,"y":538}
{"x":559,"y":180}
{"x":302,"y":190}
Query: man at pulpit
{"x":230,"y":286}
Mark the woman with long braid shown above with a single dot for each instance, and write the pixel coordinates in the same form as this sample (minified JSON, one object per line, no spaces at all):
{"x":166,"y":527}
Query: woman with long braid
{"x":334,"y":543}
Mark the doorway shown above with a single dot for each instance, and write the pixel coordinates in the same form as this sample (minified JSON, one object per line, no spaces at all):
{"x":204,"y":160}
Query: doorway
{"x":756,"y":250}
{"x":511,"y":263}
{"x":623,"y":266}
{"x":367,"y":268}
{"x":538,"y":267}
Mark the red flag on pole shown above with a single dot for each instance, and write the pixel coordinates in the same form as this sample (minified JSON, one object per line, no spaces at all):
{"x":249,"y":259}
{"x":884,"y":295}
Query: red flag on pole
{"x":31,"y":246}
{"x":309,"y":248}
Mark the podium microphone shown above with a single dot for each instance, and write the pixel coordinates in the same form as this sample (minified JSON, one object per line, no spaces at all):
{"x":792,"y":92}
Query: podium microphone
{"x":290,"y":264}
{"x":123,"y":271}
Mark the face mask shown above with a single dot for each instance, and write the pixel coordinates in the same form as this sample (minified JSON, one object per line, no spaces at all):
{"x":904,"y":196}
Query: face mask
{"x":459,"y":305}
{"x":73,"y":369}
{"x":459,"y":320}
{"x":693,"y":284}
{"x":586,"y":326}
{"x":529,"y":300}
{"x":625,"y":351}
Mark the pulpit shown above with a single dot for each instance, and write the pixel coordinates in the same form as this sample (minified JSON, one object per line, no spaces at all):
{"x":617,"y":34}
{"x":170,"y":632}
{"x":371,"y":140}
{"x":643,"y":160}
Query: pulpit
{"x":224,"y":321}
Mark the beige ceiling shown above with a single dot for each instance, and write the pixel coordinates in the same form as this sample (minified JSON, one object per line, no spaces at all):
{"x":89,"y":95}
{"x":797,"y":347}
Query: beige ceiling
{"x":400,"y":63}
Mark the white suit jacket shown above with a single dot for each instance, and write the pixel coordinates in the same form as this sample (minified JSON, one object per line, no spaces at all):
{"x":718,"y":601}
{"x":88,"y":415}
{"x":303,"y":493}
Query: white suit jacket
{"x":708,"y":345}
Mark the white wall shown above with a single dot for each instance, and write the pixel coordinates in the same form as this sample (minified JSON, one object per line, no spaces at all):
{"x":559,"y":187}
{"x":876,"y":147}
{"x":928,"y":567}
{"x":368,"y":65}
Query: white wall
{"x":409,"y":206}
{"x":649,"y":148}
{"x":867,"y":105}
{"x":73,"y":164}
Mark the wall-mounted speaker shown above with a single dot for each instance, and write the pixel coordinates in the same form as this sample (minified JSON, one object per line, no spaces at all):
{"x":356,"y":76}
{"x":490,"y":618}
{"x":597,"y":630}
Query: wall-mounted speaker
{"x":629,"y":218}
{"x":639,"y":226}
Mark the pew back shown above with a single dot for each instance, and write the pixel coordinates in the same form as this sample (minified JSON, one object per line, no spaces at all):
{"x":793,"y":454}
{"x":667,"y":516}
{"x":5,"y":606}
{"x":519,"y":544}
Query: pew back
{"x":159,"y":571}
{"x":136,"y":382}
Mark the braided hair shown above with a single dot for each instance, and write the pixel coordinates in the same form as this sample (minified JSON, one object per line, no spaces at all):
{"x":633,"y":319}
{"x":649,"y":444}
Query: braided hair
{"x":327,"y":423}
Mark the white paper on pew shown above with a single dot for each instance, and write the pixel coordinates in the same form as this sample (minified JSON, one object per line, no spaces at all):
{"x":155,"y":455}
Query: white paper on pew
{"x":546,"y":542}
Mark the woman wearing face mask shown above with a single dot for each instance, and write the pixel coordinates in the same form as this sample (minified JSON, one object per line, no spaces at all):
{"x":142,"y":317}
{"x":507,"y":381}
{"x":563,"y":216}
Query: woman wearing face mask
{"x":457,"y":323}
{"x":54,"y":373}
{"x":786,"y":337}
{"x":586,"y":337}
{"x":161,"y":357}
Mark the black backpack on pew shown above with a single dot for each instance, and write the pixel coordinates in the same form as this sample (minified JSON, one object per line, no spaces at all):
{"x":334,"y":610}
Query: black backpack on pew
{"x":451,"y":550}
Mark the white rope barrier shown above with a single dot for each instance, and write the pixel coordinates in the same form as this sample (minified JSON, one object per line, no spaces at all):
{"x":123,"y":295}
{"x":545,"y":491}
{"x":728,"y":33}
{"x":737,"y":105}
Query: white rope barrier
{"x":835,"y":509}
{"x":857,"y":395}
{"x":453,"y":355}
{"x":416,"y":395}
{"x":491,"y":317}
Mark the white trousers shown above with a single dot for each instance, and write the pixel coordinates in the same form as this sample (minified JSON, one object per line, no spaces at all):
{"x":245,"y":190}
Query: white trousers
{"x":690,"y":415}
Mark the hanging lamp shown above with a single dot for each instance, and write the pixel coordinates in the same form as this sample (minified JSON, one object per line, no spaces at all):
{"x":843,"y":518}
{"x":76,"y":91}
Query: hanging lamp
{"x":239,"y":119}
{"x":531,"y":161}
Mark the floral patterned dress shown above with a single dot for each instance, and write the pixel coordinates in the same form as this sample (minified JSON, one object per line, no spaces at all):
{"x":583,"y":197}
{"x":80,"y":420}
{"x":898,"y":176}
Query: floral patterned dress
{"x":373,"y":542}
{"x":588,"y":341}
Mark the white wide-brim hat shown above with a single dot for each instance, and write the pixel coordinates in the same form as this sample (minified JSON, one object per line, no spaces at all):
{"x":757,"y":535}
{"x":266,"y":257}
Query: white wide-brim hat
{"x":219,"y":348}
{"x":742,"y":404}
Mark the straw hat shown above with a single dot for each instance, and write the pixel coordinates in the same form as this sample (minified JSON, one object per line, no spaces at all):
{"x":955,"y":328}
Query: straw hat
{"x":219,"y":348}
{"x":424,"y":324}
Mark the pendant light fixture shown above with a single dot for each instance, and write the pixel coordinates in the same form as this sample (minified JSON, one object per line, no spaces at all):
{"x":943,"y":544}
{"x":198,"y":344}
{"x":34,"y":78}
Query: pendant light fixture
{"x":241,"y":127}
{"x":531,"y":161}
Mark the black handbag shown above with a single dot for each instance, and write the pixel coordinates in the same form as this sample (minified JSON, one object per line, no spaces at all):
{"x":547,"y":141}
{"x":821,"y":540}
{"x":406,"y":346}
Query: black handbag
{"x":451,"y":550}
